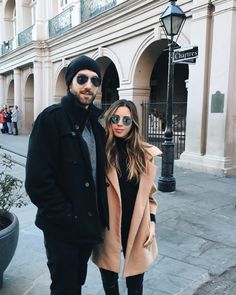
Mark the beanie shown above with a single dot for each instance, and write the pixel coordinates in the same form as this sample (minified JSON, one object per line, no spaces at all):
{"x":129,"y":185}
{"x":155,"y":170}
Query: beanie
{"x":82,"y":62}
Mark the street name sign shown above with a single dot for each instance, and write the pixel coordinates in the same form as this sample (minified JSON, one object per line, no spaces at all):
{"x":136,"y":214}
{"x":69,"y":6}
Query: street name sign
{"x":185,"y":55}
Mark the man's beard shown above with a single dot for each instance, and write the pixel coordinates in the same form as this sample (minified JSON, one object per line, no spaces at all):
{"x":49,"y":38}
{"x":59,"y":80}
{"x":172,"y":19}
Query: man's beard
{"x":85,"y":101}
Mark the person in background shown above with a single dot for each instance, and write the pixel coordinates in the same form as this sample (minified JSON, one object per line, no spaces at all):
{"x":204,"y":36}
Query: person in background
{"x":65,"y":177}
{"x":4,"y":112}
{"x":2,"y":120}
{"x":15,"y":119}
{"x":132,"y":205}
{"x":9,"y":120}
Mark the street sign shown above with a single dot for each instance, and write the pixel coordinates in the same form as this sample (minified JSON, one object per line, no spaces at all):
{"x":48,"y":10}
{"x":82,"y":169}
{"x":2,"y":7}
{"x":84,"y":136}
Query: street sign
{"x":185,"y":54}
{"x":191,"y":61}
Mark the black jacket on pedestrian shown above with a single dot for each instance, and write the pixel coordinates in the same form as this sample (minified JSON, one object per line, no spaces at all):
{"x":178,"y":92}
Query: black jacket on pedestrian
{"x":59,"y":177}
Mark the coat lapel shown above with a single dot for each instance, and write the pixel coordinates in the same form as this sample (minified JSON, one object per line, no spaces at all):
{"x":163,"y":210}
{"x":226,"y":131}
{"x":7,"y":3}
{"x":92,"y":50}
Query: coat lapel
{"x":113,"y":179}
{"x":145,"y":186}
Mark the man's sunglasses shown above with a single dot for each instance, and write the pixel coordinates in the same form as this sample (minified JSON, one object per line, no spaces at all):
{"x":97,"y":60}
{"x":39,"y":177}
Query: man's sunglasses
{"x":82,"y":79}
{"x":126,"y":120}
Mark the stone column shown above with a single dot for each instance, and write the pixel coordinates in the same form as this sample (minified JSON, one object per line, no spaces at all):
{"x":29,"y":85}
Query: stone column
{"x":40,"y":28}
{"x":47,"y":92}
{"x":221,"y":105}
{"x":2,"y":98}
{"x":196,"y":121}
{"x":17,"y":88}
{"x":38,"y":88}
{"x":138,"y":96}
{"x":19,"y":18}
{"x":18,"y":95}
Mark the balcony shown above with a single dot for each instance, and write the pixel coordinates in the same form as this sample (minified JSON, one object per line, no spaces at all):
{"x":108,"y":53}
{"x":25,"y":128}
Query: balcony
{"x":6,"y":47}
{"x":60,"y":23}
{"x":25,"y":36}
{"x":89,"y":10}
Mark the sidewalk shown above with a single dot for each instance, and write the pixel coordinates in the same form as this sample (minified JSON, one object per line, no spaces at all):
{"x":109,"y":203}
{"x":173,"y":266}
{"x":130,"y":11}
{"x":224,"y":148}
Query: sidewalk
{"x":196,"y":236}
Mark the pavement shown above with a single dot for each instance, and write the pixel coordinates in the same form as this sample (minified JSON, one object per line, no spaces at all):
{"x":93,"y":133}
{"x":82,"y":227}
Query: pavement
{"x":196,"y":233}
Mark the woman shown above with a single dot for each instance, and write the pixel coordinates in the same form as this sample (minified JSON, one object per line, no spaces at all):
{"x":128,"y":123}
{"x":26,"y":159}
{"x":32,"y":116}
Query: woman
{"x":132,"y":207}
{"x":2,"y":120}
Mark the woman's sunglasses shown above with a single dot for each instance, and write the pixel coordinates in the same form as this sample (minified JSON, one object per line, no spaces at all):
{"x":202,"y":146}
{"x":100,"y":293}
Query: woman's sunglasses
{"x":82,"y":79}
{"x":126,"y":120}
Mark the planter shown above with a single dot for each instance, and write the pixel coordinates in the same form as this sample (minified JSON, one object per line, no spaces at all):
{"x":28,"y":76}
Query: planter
{"x":8,"y":242}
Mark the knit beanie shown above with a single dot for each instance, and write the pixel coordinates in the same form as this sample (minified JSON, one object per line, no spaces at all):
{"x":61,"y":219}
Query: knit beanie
{"x":82,"y":62}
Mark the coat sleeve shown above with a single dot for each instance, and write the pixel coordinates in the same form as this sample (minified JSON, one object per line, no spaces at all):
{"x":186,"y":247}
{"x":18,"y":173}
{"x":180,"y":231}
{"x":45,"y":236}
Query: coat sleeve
{"x":152,"y":199}
{"x":42,"y":166}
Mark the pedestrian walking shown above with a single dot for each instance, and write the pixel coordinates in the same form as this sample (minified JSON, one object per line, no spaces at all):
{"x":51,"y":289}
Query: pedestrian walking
{"x":65,"y":177}
{"x":132,"y":205}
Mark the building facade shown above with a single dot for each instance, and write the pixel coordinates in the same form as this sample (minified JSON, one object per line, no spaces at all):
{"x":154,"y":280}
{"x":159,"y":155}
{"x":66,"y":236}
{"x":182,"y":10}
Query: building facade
{"x":39,"y":38}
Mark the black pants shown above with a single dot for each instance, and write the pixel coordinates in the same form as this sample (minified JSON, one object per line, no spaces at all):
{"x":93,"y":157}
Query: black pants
{"x":15,"y":128}
{"x":67,"y":265}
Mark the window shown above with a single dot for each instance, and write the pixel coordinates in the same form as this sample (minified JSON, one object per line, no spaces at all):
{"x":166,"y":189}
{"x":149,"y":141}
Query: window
{"x":63,"y":3}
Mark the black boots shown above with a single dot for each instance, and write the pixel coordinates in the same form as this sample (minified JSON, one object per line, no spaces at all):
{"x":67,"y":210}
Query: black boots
{"x":112,"y":290}
{"x":138,"y":291}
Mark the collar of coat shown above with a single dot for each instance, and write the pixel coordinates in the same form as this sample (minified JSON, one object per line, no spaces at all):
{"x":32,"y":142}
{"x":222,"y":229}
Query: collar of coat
{"x":78,"y":114}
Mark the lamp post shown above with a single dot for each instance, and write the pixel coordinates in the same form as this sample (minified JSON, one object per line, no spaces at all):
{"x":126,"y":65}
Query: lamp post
{"x":172,"y":20}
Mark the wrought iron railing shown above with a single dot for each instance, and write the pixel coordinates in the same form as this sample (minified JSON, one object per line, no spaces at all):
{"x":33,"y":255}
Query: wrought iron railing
{"x":6,"y":46}
{"x":154,"y":123}
{"x":60,"y":23}
{"x":92,"y":8}
{"x":25,"y":36}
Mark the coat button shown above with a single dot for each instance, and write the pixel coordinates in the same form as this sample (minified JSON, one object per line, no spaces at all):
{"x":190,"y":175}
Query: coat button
{"x":107,"y":184}
{"x":73,"y":133}
{"x":90,"y":214}
{"x":86,"y":184}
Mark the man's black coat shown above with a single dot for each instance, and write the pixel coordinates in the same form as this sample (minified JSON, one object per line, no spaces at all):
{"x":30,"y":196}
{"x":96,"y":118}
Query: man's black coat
{"x":59,"y":177}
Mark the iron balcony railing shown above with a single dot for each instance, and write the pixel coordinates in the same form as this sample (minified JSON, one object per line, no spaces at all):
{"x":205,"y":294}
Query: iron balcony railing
{"x":25,"y":36}
{"x":6,"y":46}
{"x":60,"y":23}
{"x":154,"y":124}
{"x":89,"y":9}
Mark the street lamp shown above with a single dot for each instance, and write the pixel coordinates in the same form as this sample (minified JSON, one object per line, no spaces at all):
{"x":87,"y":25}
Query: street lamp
{"x":172,"y":20}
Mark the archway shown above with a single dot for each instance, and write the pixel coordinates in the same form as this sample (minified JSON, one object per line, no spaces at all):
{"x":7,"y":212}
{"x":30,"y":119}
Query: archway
{"x":10,"y":94}
{"x":9,"y":20}
{"x":151,"y":72}
{"x":110,"y":85}
{"x":60,"y":87}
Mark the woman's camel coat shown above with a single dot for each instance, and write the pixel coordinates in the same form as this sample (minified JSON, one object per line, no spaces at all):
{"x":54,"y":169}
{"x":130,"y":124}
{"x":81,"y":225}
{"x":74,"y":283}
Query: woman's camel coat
{"x":107,"y":255}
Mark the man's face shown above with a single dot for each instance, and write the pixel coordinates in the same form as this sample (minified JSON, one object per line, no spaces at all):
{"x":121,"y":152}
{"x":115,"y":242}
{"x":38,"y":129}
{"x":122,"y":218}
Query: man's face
{"x":84,"y":86}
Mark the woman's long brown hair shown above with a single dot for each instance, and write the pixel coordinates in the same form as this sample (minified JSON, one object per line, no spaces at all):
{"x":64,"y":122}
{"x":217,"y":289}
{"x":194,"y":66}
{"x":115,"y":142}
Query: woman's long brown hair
{"x":135,"y":147}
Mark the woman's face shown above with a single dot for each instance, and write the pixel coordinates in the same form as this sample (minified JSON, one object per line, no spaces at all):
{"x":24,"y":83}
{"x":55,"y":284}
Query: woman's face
{"x":121,"y":122}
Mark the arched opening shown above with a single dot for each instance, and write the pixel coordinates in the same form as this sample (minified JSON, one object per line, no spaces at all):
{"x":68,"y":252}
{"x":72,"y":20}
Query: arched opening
{"x":60,"y":89}
{"x":10,"y":94}
{"x":10,"y":19}
{"x":158,"y":99}
{"x":152,"y":73}
{"x":110,"y":85}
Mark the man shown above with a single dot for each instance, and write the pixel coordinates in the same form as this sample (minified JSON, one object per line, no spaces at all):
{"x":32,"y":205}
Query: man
{"x":15,"y":118}
{"x":65,"y":177}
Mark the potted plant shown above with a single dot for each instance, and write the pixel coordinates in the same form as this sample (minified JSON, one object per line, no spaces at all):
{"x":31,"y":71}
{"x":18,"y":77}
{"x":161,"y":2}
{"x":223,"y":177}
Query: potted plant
{"x":11,"y":195}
